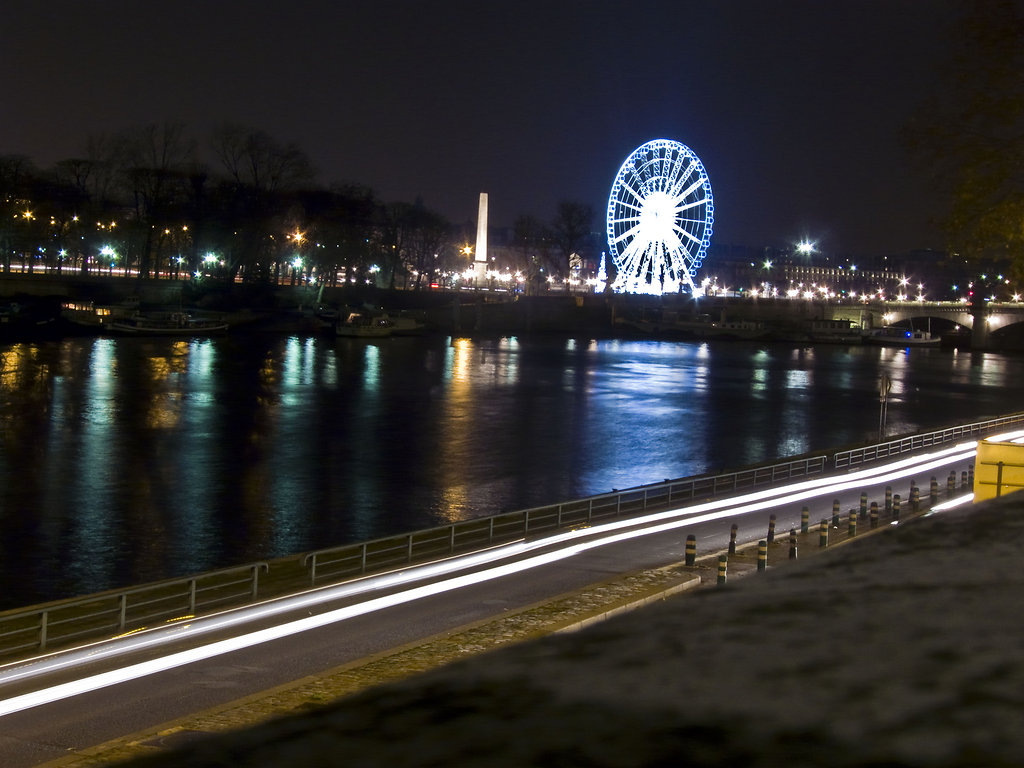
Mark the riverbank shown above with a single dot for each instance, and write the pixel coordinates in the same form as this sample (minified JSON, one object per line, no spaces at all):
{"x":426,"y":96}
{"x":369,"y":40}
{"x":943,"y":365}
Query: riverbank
{"x":293,"y":309}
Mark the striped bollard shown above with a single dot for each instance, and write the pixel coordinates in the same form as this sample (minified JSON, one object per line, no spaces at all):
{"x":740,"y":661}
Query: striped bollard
{"x":951,"y":484}
{"x":852,"y":525}
{"x":762,"y":555}
{"x":863,"y":505}
{"x":970,"y":475}
{"x":805,"y":520}
{"x":771,"y":528}
{"x":896,"y":507}
{"x":732,"y":539}
{"x":963,"y":480}
{"x":933,"y":492}
{"x":888,"y":499}
{"x":835,"y":512}
{"x":873,"y":515}
{"x":723,"y":568}
{"x":792,"y":543}
{"x":691,"y":549}
{"x":915,"y":499}
{"x":823,"y":533}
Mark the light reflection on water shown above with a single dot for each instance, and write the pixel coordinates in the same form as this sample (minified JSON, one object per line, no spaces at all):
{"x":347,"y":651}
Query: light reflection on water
{"x":128,"y":460}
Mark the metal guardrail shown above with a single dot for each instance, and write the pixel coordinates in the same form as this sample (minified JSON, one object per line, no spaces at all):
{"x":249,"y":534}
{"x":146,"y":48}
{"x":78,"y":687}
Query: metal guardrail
{"x":125,"y":611}
{"x":353,"y":560}
{"x":851,"y":458}
{"x":117,"y":612}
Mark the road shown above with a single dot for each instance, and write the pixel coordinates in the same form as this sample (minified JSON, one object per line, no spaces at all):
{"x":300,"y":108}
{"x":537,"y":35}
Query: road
{"x":71,"y":700}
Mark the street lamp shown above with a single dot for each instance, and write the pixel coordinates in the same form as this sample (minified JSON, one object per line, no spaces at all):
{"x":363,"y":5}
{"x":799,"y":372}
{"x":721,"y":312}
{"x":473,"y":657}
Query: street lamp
{"x":108,"y":252}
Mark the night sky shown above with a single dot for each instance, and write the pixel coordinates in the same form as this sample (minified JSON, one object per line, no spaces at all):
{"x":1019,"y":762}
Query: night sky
{"x":794,"y":107}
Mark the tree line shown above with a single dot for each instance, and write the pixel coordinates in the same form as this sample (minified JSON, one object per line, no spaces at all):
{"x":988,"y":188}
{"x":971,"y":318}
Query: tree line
{"x":142,"y":200}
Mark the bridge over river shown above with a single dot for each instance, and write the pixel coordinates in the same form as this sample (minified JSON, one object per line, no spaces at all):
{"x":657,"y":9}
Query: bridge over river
{"x":981,"y":319}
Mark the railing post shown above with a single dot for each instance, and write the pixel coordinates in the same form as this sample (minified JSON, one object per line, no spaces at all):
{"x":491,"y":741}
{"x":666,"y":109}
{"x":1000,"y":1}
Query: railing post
{"x":362,"y":564}
{"x":44,"y":619}
{"x":312,"y":568}
{"x":558,"y":518}
{"x":451,"y":540}
{"x":192,"y":597}
{"x":255,"y":583}
{"x":124,"y":612}
{"x":490,"y":532}
{"x":408,"y":552}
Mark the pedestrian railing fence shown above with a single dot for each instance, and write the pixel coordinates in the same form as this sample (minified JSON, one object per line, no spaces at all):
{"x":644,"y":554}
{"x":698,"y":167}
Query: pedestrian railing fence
{"x":853,"y":457}
{"x":118,"y":612}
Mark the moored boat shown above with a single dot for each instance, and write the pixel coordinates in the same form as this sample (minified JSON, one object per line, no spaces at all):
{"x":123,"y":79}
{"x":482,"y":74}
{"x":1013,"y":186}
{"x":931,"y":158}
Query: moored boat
{"x":97,"y":317}
{"x":893,"y":336}
{"x":168,"y":324}
{"x":358,"y":325}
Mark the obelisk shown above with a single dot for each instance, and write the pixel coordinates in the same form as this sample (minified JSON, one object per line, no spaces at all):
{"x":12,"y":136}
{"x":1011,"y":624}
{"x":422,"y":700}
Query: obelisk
{"x":480,"y":259}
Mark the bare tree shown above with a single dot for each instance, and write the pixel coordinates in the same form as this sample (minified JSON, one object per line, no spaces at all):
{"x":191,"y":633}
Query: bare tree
{"x":157,"y":161}
{"x":261,"y":172}
{"x":17,"y":175}
{"x":531,"y":240}
{"x":971,"y":135}
{"x":571,"y":229}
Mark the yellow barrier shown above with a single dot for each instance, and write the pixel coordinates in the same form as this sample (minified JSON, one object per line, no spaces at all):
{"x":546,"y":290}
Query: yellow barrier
{"x":998,"y":469}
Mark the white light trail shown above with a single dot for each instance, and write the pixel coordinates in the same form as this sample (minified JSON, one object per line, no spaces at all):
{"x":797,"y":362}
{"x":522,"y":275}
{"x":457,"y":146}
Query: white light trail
{"x":598,"y":536}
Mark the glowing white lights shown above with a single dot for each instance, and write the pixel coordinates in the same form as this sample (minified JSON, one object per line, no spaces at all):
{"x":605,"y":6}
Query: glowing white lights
{"x":660,"y":215}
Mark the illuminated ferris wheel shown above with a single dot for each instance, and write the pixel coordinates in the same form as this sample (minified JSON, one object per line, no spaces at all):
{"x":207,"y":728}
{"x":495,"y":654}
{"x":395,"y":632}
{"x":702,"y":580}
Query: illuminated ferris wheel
{"x":660,"y":213}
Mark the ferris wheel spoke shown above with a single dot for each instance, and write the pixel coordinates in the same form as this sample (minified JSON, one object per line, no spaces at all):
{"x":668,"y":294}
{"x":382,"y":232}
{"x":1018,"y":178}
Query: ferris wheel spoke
{"x":686,"y":234}
{"x":636,"y":195}
{"x":688,"y":206}
{"x":631,"y":251}
{"x":686,"y":192}
{"x":680,"y":174}
{"x":630,"y":205}
{"x":631,"y":232}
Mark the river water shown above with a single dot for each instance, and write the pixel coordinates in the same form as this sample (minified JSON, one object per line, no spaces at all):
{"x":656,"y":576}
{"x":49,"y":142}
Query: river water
{"x":126,"y":460}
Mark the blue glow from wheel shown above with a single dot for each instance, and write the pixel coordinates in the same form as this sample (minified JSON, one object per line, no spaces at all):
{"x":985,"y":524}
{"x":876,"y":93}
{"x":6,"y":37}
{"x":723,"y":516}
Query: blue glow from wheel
{"x":660,"y":215}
